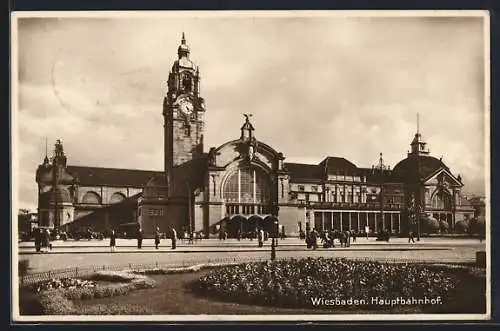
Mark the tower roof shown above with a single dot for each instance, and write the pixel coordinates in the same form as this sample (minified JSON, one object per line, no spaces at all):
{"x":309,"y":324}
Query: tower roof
{"x":183,"y":49}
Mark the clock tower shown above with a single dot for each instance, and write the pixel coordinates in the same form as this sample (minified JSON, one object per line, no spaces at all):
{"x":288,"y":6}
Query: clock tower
{"x":183,"y":111}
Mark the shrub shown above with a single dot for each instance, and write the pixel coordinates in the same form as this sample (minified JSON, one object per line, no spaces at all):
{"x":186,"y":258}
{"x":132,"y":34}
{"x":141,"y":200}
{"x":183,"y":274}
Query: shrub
{"x":477,"y":226}
{"x":54,"y":302}
{"x":294,"y":282}
{"x":443,"y":226}
{"x":431,"y":225}
{"x":461,"y":227}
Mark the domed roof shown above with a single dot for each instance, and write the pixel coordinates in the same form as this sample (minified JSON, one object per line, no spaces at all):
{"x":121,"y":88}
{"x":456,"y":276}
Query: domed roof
{"x":62,"y":195}
{"x":44,"y":175}
{"x":408,"y":169}
{"x":157,"y":181}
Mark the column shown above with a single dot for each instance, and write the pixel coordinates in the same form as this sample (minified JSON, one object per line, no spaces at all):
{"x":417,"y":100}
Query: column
{"x":399,"y":222}
{"x":322,"y":220}
{"x":357,"y":215}
{"x":341,"y":218}
{"x":382,"y":216}
{"x":254,"y":187}
{"x":331,"y":219}
{"x":350,"y":216}
{"x":239,"y":186}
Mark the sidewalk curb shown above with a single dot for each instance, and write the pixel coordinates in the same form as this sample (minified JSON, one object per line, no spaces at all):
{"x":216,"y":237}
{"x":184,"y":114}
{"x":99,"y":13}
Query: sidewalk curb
{"x":240,"y":251}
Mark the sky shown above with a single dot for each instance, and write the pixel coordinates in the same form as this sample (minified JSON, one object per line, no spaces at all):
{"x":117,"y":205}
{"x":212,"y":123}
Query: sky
{"x":317,"y":86}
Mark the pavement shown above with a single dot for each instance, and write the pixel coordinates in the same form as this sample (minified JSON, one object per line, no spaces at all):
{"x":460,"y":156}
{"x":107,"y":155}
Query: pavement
{"x":86,"y":254}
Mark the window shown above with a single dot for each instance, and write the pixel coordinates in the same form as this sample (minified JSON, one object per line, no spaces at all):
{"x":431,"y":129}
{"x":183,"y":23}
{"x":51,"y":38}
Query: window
{"x":91,"y":198}
{"x":314,"y":188}
{"x":187,"y":130}
{"x":186,"y":83}
{"x":302,"y":188}
{"x":247,"y":184}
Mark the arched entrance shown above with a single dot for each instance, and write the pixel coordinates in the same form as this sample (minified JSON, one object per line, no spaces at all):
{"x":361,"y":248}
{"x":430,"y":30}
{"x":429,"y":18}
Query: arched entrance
{"x":235,"y":224}
{"x":442,"y":208}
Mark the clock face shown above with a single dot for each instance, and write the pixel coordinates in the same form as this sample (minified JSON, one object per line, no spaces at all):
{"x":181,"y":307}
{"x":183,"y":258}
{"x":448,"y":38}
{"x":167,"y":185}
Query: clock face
{"x":186,"y":107}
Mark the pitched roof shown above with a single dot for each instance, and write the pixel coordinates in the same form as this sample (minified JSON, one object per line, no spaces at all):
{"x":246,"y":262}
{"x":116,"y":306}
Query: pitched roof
{"x":374,"y":175}
{"x":338,"y":165}
{"x":95,"y":176}
{"x":304,"y":172}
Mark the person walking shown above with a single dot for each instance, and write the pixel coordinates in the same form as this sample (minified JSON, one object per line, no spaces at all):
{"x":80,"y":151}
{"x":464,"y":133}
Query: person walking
{"x":411,"y":237}
{"x":48,"y":245}
{"x":261,"y":237}
{"x":157,"y":238}
{"x":139,"y":238}
{"x":354,"y":234}
{"x":314,"y":238}
{"x":367,"y":231}
{"x":173,"y":235}
{"x":37,"y":239}
{"x":112,"y":241}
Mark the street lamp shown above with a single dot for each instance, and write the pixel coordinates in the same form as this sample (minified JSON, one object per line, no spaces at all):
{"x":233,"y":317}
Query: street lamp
{"x":189,"y":206}
{"x":274,"y":214}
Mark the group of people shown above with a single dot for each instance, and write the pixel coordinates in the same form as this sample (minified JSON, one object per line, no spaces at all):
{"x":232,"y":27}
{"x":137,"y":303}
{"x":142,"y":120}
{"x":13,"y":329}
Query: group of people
{"x":327,"y":238}
{"x":140,"y":237}
{"x":42,"y":240}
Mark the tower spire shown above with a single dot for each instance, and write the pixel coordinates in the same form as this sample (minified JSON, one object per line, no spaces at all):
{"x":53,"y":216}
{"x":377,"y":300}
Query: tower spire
{"x":183,"y":40}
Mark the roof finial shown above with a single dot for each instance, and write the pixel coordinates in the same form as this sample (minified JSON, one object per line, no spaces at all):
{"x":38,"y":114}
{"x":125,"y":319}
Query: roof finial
{"x":46,"y":146}
{"x":183,"y":40}
{"x":418,"y":123}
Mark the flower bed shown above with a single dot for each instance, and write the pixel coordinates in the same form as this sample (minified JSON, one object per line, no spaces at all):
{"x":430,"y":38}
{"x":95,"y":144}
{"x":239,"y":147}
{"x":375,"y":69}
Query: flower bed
{"x":63,"y":283}
{"x":57,"y":299}
{"x":294,"y":283}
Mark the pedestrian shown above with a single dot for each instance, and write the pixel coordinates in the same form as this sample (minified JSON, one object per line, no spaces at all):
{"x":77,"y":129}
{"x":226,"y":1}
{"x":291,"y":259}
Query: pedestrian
{"x":47,"y":240}
{"x":112,"y":241}
{"x":173,"y":238}
{"x":238,"y":234}
{"x":314,"y":238}
{"x":139,"y":238}
{"x":260,"y":237}
{"x":354,"y":234}
{"x":341,"y":238}
{"x":37,"y":239}
{"x":411,"y":237}
{"x":367,"y":231}
{"x":157,"y":238}
{"x":283,"y":235}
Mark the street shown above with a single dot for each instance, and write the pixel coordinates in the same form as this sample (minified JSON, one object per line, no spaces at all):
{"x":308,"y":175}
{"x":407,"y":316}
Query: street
{"x":84,"y":254}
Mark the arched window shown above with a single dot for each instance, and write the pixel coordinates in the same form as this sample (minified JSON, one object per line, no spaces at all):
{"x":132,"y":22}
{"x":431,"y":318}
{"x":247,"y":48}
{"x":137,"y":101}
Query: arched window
{"x":247,"y":186}
{"x":186,"y":83}
{"x":117,"y":197}
{"x":441,"y":200}
{"x":91,"y":198}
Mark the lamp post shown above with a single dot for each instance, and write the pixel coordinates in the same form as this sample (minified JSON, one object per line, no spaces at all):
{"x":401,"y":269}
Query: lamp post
{"x":419,"y":213}
{"x":189,"y":206}
{"x":273,"y":245}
